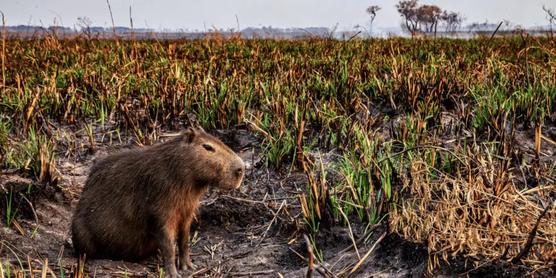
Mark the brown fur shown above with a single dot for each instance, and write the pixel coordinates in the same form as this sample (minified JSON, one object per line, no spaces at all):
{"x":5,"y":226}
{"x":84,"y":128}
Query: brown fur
{"x":140,"y":200}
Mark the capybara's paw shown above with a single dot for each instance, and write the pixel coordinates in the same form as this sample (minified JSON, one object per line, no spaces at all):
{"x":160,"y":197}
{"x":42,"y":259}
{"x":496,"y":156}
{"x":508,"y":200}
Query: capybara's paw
{"x":172,"y":275}
{"x":172,"y":272}
{"x":188,"y":265}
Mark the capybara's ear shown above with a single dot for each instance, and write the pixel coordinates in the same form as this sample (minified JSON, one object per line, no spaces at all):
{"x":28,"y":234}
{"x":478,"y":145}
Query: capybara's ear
{"x":189,"y":134}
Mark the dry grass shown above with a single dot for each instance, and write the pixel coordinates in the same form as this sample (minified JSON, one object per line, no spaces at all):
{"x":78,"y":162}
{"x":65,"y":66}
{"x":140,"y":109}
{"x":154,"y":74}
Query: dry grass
{"x":478,"y":212}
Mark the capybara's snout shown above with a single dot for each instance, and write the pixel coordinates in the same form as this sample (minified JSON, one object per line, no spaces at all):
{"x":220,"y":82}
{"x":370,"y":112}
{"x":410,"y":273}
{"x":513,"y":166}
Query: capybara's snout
{"x":237,"y":173}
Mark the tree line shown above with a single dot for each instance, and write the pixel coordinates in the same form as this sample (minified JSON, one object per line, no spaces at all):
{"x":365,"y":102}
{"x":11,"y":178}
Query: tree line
{"x":422,"y":18}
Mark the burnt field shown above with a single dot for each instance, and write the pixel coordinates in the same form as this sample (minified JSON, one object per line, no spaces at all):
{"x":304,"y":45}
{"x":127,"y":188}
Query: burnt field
{"x":383,"y":158}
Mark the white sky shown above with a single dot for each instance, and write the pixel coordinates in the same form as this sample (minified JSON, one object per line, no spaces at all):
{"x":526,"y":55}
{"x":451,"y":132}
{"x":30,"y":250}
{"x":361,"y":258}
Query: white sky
{"x":198,"y":14}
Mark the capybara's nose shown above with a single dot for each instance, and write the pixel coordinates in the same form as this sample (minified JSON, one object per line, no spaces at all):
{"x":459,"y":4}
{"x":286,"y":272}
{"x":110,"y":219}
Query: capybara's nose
{"x":239,"y":171}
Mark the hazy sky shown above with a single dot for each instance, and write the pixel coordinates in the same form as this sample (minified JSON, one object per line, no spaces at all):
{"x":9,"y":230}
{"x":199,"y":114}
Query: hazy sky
{"x":200,"y":14}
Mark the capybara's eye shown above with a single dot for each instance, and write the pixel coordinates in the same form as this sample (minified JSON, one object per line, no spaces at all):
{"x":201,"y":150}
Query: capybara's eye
{"x":208,"y":147}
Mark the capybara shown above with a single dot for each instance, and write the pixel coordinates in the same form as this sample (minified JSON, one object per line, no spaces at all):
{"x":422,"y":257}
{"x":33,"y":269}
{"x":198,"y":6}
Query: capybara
{"x":140,"y":200}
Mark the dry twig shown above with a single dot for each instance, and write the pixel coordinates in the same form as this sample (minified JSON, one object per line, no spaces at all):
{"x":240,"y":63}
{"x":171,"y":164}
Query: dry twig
{"x":368,"y":253}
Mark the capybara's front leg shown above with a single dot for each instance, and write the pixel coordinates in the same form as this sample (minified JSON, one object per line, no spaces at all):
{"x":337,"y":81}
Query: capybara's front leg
{"x":185,"y":260}
{"x":166,"y":243}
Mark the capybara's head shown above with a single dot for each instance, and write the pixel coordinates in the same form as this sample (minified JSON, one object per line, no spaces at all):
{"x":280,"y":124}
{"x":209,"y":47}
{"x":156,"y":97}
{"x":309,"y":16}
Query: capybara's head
{"x":214,"y":163}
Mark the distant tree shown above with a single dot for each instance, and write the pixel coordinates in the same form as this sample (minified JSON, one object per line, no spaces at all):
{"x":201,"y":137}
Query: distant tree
{"x":452,"y":20}
{"x":408,"y":11}
{"x":372,"y":10}
{"x":428,"y":17}
{"x":85,"y":24}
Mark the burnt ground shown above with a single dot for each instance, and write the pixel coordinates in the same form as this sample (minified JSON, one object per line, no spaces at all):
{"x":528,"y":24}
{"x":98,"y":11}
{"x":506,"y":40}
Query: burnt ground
{"x":255,"y":231}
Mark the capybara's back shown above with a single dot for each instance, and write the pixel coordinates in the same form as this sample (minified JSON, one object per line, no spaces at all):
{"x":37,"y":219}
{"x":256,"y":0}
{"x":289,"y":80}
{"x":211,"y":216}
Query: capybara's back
{"x":111,"y":216}
{"x":142,"y":199}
